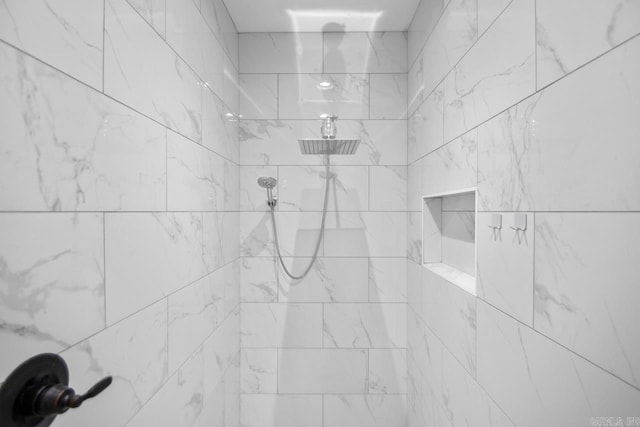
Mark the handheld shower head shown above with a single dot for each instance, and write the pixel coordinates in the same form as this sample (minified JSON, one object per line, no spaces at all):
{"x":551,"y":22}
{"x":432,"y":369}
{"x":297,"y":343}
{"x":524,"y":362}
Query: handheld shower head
{"x":267,"y":182}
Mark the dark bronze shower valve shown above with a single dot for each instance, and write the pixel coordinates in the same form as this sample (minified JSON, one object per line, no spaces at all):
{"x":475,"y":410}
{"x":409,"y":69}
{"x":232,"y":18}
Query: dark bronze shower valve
{"x":38,"y":390}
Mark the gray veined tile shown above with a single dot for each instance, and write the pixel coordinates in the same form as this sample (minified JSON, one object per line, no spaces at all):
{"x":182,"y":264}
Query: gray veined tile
{"x":259,"y":370}
{"x":259,"y":96}
{"x":534,"y":379}
{"x":129,"y":79}
{"x":594,"y":28}
{"x":373,"y":325}
{"x":322,"y":371}
{"x":51,"y":275}
{"x":375,"y":52}
{"x":281,"y":325}
{"x":134,"y":353}
{"x":280,"y":53}
{"x":586,"y":289}
{"x":180,"y":401}
{"x":523,"y":143}
{"x":71,"y":148}
{"x":73,"y":29}
{"x":388,"y":96}
{"x":149,"y":256}
{"x":477,"y":89}
{"x":330,"y":280}
{"x":154,"y":12}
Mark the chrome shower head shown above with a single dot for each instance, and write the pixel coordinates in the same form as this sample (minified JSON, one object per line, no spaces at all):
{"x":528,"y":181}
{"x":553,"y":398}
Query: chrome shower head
{"x":328,"y":144}
{"x":267,"y":182}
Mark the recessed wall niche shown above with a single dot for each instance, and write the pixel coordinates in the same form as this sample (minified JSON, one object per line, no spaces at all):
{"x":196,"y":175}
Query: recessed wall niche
{"x":449,"y":237}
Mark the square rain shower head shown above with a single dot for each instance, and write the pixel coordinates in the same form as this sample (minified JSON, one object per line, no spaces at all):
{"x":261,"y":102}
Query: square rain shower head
{"x":328,"y":146}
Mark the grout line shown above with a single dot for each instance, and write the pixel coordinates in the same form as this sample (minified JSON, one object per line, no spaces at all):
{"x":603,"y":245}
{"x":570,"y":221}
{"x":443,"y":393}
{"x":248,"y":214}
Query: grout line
{"x":104,"y":30}
{"x":104,"y":264}
{"x":535,"y":40}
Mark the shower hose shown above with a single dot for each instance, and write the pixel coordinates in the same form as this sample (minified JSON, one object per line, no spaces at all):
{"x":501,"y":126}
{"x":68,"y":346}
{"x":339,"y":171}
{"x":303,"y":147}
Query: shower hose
{"x":320,"y":234}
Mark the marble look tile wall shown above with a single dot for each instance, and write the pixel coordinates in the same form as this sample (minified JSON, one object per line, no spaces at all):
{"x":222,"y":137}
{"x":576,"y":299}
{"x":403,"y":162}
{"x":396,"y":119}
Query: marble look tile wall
{"x":328,"y":350}
{"x":119,"y":200}
{"x":532,"y":103}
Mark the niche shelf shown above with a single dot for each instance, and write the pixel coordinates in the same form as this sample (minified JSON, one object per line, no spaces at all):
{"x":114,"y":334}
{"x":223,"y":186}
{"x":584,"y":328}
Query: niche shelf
{"x":449,"y":236}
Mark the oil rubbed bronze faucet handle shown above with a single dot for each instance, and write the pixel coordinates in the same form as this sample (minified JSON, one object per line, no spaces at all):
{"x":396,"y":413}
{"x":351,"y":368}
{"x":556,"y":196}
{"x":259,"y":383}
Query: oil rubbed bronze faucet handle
{"x":99,"y":387}
{"x":38,"y":390}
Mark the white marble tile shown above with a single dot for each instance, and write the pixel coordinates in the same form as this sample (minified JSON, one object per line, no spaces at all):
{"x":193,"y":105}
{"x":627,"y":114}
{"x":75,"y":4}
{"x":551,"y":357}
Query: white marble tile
{"x":425,"y":386}
{"x":450,"y":40}
{"x":388,"y":188}
{"x":451,"y":313}
{"x":73,"y":42}
{"x":330,"y":280}
{"x":451,"y":167}
{"x":220,"y":239}
{"x":585,"y":276}
{"x":194,"y":313}
{"x":388,"y":96}
{"x":415,"y":238}
{"x":51,"y":275}
{"x":191,"y":37}
{"x":424,"y":21}
{"x":375,"y":325}
{"x":297,"y":233}
{"x":305,"y":96}
{"x":415,"y":85}
{"x":281,"y":410}
{"x":134,"y":353}
{"x":452,"y":391}
{"x":505,"y":265}
{"x":231,"y":86}
{"x":543,"y":174}
{"x":281,"y":325}
{"x":387,"y":371}
{"x":149,"y":256}
{"x":353,"y":52}
{"x":478,"y":89}
{"x":221,"y":352}
{"x":387,"y":280}
{"x":258,"y":281}
{"x":259,"y":370}
{"x":378,"y":234}
{"x":414,"y":288}
{"x":195,"y":177}
{"x":137,"y":63}
{"x":220,"y":127}
{"x":179,"y":402}
{"x":264,"y":142}
{"x":322,"y":371}
{"x":72,"y":148}
{"x":488,"y":11}
{"x":458,"y":241}
{"x":414,"y":187}
{"x":302,"y":188}
{"x":364,"y":410}
{"x":154,"y":12}
{"x":426,"y":126}
{"x":535,"y":380}
{"x":259,"y":96}
{"x":281,"y":53}
{"x":594,"y":28}
{"x":216,"y":14}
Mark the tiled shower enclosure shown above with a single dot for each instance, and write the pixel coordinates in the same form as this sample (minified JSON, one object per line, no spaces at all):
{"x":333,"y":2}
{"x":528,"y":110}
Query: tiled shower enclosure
{"x":479,"y":265}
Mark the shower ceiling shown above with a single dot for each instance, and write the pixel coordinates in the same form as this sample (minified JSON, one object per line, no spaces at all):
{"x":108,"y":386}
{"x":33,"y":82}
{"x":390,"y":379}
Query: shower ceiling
{"x":313,"y":15}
